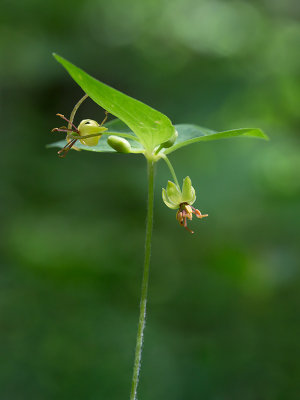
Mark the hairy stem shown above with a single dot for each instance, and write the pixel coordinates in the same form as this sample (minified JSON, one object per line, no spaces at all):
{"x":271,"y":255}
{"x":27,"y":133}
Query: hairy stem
{"x":168,"y":162}
{"x":144,"y":291}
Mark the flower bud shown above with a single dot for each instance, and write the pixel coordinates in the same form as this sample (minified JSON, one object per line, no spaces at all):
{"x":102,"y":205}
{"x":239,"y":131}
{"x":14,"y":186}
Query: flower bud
{"x":119,"y":144}
{"x":171,"y":141}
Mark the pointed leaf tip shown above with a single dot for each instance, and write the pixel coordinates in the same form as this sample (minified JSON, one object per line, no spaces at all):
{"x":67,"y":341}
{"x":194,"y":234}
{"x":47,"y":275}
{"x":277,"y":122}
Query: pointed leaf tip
{"x":189,"y":134}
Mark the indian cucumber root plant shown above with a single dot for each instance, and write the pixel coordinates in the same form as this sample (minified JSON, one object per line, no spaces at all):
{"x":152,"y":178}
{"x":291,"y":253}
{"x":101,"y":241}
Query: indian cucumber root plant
{"x":138,"y":129}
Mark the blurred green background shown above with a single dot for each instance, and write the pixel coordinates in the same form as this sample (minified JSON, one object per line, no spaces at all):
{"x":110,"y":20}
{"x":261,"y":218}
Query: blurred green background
{"x":223,"y":313}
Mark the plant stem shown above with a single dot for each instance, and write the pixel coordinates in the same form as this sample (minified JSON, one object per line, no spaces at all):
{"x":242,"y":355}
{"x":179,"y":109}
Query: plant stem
{"x":168,"y":162}
{"x":159,"y":149}
{"x":144,"y":291}
{"x":77,"y":105}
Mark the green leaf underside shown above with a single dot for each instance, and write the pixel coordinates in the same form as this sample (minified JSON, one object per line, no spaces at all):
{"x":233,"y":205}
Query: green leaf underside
{"x":150,"y":126}
{"x":189,"y":134}
{"x":116,"y":125}
{"x":102,"y":146}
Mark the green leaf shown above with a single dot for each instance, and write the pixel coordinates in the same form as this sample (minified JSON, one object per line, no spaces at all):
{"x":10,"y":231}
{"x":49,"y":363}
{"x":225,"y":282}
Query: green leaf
{"x":150,"y":126}
{"x":102,"y":146}
{"x":116,"y":125}
{"x":189,"y":134}
{"x":118,"y":128}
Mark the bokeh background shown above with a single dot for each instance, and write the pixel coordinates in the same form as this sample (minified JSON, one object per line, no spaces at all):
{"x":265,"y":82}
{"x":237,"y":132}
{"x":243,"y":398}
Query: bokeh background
{"x":223,"y":313}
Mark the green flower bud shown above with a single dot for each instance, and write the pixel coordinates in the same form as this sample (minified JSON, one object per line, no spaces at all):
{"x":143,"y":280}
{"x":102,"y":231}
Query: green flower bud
{"x":90,"y":127}
{"x":171,"y":141}
{"x":119,"y":144}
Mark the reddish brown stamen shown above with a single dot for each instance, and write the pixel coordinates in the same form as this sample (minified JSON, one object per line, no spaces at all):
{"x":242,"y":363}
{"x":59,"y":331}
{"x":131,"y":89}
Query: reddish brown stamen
{"x":63,"y":152}
{"x":63,"y":130}
{"x":185,"y":212}
{"x":66,"y":119}
{"x":186,"y":227}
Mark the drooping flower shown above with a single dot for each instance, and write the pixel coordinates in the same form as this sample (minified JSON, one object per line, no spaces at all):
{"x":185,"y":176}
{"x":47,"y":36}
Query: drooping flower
{"x":182,"y":199}
{"x":86,"y":128}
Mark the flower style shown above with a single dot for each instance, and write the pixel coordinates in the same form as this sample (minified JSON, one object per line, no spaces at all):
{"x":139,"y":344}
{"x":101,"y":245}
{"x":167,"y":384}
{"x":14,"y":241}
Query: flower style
{"x":88,"y":129}
{"x":183,"y":199}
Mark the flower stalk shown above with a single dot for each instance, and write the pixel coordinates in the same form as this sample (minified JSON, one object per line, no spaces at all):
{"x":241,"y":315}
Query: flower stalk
{"x":170,"y":166}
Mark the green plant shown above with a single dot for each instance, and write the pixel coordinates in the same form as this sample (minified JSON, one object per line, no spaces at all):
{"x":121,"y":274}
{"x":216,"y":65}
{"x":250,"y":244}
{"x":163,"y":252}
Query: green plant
{"x":139,"y":129}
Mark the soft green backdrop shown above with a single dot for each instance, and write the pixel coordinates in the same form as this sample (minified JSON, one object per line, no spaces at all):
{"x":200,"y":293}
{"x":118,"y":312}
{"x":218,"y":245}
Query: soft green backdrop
{"x":223,"y":320}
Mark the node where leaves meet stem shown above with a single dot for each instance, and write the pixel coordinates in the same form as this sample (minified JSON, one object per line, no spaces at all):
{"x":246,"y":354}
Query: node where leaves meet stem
{"x":144,"y":290}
